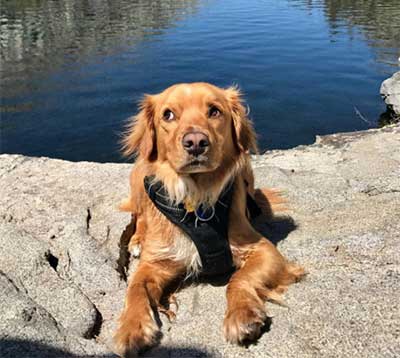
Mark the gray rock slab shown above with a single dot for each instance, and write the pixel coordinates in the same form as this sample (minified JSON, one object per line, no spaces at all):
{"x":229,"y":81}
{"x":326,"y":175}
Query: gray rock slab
{"x":35,"y":269}
{"x":390,"y":92}
{"x":62,"y":292}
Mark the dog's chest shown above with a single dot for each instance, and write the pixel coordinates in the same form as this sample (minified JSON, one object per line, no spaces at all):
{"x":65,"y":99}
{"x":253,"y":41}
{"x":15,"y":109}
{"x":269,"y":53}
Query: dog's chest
{"x":184,"y":250}
{"x":202,"y":239}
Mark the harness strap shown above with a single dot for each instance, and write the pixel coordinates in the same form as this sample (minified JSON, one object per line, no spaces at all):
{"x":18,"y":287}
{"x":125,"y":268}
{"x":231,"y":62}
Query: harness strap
{"x":206,"y":226}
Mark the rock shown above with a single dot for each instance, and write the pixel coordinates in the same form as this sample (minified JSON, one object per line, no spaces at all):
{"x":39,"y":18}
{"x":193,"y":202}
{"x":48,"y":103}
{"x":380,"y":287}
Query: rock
{"x":35,"y":268}
{"x":27,"y":330}
{"x":390,"y":92}
{"x":61,"y":288}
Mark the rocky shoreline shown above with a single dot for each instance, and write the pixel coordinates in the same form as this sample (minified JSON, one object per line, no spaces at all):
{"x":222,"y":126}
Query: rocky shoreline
{"x":61,"y":283}
{"x":390,"y":93}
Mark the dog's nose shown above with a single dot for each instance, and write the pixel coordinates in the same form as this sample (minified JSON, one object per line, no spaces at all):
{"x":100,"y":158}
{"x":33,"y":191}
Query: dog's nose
{"x":195,"y":143}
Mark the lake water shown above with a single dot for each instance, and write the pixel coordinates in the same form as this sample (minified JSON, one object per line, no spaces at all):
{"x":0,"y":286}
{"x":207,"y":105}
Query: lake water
{"x":72,"y":71}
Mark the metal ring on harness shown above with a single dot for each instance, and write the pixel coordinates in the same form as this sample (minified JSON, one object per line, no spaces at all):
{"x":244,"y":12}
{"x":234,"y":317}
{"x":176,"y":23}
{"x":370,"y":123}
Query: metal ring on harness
{"x":202,"y":218}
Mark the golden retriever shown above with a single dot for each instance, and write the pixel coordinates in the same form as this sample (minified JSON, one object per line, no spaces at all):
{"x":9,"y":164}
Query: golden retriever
{"x":194,"y":141}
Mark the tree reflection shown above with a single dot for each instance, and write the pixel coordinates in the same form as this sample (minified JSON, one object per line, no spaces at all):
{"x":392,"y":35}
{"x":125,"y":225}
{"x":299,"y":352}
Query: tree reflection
{"x":41,"y":35}
{"x":378,"y":20}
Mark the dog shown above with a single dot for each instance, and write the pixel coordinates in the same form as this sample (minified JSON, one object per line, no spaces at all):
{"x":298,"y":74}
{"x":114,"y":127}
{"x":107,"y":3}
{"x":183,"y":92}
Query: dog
{"x":192,"y":176}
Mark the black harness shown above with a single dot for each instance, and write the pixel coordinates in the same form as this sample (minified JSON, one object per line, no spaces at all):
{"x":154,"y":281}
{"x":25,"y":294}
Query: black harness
{"x":206,"y":226}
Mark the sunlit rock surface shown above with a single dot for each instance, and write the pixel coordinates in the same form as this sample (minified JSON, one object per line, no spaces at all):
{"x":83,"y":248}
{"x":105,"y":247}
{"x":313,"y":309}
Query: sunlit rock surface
{"x":62,"y":289}
{"x":390,"y":92}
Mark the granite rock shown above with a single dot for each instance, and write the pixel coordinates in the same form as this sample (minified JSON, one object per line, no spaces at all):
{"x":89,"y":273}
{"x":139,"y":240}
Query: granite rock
{"x":60,"y":275}
{"x":390,"y":92}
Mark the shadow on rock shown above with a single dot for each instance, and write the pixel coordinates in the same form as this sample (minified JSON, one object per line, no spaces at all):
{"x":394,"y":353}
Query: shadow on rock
{"x":388,"y":117}
{"x":184,"y":352}
{"x":124,"y":254}
{"x":276,"y":229}
{"x":12,"y":348}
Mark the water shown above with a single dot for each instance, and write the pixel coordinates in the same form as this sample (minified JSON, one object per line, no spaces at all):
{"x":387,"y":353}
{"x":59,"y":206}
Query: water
{"x":72,"y":71}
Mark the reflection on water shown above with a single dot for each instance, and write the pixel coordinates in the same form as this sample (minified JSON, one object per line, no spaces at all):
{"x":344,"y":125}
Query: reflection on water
{"x":378,"y":20}
{"x":70,"y":69}
{"x":44,"y":35}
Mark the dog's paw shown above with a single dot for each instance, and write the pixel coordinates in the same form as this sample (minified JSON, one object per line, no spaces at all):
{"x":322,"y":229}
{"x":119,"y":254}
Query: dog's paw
{"x":135,"y":250}
{"x":134,"y":334}
{"x":135,"y":247}
{"x":242,"y":324}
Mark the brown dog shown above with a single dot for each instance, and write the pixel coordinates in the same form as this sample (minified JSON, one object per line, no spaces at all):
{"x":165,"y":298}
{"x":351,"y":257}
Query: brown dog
{"x":193,"y":142}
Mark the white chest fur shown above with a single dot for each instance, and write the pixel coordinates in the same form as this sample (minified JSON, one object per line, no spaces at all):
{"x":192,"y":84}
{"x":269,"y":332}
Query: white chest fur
{"x":182,"y":250}
{"x":185,"y":251}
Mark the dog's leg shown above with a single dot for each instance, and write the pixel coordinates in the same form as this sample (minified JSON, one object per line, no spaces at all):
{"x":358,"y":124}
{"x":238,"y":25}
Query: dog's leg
{"x":264,"y":274}
{"x":137,"y":327}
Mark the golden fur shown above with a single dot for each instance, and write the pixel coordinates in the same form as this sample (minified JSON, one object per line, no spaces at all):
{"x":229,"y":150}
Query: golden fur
{"x":167,"y":254}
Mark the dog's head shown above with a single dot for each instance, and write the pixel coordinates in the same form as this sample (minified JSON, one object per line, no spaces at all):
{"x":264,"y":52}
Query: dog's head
{"x":196,"y":128}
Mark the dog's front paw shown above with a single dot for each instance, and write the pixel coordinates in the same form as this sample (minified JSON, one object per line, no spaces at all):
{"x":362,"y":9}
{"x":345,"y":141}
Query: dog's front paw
{"x":135,"y":333}
{"x":244,"y":323}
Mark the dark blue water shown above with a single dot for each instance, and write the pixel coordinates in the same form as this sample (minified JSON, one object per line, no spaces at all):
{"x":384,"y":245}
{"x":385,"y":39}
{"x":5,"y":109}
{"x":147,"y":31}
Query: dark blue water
{"x":72,"y":71}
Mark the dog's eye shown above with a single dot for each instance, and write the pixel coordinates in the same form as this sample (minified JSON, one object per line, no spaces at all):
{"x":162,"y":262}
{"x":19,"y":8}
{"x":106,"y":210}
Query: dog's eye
{"x":168,"y":115}
{"x":214,"y":112}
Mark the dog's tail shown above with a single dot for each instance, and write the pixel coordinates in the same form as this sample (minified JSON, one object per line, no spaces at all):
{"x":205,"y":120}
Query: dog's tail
{"x":270,"y":201}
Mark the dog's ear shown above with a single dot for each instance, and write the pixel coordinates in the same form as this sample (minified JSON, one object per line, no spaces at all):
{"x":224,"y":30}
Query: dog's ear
{"x":242,"y":129}
{"x":140,"y":135}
